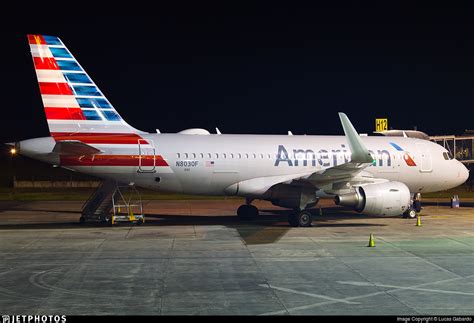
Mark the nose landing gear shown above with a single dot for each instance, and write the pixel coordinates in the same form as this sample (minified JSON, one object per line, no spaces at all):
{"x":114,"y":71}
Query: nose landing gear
{"x":410,"y":213}
{"x":415,"y":207}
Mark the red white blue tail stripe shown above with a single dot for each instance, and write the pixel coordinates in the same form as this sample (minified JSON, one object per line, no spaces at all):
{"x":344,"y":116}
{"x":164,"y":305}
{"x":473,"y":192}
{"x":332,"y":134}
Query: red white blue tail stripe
{"x":72,"y":101}
{"x":76,"y":109}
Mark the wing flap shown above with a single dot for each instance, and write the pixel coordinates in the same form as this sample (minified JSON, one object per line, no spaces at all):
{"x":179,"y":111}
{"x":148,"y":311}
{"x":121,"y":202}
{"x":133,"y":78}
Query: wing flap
{"x":336,"y":174}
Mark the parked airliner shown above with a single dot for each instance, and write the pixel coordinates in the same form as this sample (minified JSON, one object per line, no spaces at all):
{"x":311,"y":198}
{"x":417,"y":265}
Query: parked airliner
{"x":373,"y":175}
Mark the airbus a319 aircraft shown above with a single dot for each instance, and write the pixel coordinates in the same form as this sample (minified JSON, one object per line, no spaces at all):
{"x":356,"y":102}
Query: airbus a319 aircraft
{"x":373,"y":175}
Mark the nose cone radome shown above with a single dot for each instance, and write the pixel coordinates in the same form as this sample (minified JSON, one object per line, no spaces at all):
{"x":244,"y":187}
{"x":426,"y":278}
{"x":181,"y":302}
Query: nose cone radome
{"x":463,"y":173}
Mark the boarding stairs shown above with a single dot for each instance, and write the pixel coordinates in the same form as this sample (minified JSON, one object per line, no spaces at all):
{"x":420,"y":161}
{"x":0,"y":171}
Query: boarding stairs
{"x":99,"y":204}
{"x":127,"y":205}
{"x":111,"y":203}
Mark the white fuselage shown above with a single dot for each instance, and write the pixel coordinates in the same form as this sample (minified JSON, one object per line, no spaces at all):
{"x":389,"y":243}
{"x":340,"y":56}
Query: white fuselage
{"x":211,"y":164}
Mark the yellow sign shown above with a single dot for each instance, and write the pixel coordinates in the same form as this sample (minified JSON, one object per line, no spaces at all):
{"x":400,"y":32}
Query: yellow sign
{"x":381,"y":124}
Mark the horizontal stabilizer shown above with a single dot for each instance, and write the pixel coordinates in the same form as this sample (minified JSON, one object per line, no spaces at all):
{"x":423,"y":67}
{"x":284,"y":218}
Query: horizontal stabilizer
{"x":74,"y":147}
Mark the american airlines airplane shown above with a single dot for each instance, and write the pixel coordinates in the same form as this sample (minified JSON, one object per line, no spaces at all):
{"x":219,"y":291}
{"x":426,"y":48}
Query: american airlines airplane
{"x":372,"y":175}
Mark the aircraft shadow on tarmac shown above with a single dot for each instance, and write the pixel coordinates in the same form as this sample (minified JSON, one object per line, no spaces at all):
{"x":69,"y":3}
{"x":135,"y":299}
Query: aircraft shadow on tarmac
{"x":333,"y":217}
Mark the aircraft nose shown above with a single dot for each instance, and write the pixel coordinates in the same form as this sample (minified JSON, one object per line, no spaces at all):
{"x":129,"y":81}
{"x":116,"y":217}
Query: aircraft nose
{"x":463,"y":173}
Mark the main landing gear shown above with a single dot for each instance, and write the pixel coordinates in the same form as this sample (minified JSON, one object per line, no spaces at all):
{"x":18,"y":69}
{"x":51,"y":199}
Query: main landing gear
{"x":247,"y":212}
{"x":301,"y":218}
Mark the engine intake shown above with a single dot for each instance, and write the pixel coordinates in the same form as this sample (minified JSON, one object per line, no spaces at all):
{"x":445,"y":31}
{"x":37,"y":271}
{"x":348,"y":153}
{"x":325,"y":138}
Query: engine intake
{"x":388,"y":199}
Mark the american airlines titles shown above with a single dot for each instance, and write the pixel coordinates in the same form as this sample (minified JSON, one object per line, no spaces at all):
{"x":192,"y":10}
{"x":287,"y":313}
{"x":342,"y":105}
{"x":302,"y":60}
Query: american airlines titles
{"x":326,"y":158}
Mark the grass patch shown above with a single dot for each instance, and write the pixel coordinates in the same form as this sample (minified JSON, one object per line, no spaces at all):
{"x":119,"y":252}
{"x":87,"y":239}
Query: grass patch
{"x":82,"y":194}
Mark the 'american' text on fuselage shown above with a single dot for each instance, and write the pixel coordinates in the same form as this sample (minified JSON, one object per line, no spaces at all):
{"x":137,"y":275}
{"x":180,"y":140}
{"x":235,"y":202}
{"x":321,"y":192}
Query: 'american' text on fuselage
{"x":326,"y":157}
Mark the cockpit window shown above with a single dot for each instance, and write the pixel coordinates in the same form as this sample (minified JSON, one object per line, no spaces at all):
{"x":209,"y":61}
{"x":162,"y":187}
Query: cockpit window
{"x":447,"y":155}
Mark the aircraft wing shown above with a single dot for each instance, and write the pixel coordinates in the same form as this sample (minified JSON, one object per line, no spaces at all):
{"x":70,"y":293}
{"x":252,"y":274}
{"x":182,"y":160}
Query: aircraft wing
{"x":337,"y":176}
{"x":338,"y":173}
{"x":74,"y":147}
{"x":360,"y":159}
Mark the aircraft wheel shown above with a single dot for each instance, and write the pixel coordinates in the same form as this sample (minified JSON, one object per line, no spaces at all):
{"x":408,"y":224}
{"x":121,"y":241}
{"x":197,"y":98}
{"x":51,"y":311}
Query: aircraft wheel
{"x":305,"y":218}
{"x":300,"y":219}
{"x":82,"y":220}
{"x":247,"y":212}
{"x":140,"y":221}
{"x":410,"y":214}
{"x":293,"y":220}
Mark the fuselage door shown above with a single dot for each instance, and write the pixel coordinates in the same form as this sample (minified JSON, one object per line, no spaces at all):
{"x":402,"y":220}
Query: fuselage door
{"x":426,"y":165}
{"x":146,"y":156}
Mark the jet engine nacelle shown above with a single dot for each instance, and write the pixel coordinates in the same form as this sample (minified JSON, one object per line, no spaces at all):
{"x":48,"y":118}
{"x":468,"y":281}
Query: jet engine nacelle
{"x":293,"y":196}
{"x":389,"y":199}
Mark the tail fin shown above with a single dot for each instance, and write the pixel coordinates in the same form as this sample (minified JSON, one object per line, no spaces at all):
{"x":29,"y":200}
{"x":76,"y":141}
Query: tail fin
{"x":72,"y":102}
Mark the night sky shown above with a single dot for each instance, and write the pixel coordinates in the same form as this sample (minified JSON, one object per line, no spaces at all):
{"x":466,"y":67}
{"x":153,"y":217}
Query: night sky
{"x":257,"y":69}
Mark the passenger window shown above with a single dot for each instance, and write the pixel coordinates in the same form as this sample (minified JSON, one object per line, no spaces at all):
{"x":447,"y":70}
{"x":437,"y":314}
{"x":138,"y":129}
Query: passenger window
{"x":202,"y":155}
{"x":194,"y":155}
{"x":178,"y":155}
{"x":239,"y":156}
{"x":247,"y":156}
{"x":224,"y":155}
{"x":217,"y":155}
{"x":232,"y":155}
{"x":186,"y":155}
{"x":209,"y":155}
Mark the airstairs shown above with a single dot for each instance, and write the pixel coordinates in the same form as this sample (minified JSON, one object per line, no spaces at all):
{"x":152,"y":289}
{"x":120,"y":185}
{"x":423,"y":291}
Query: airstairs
{"x":111,"y":203}
{"x":127,"y":205}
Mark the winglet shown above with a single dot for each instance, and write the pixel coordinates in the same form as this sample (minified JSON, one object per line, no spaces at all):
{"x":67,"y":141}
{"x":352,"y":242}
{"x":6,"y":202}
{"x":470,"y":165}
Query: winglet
{"x":360,"y":154}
